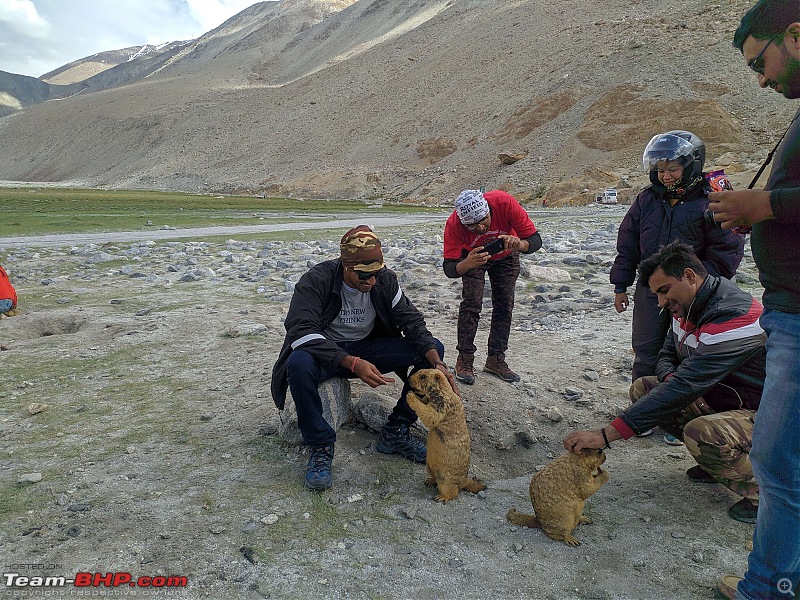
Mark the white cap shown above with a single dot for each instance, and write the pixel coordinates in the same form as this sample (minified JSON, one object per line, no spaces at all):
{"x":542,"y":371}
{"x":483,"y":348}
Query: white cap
{"x":471,"y":207}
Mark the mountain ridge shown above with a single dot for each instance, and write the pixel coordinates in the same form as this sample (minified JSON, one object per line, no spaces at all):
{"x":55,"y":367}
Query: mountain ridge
{"x":411,"y":100}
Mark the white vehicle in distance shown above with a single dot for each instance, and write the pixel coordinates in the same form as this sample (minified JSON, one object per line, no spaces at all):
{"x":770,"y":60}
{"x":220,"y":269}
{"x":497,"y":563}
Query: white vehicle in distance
{"x":608,"y":196}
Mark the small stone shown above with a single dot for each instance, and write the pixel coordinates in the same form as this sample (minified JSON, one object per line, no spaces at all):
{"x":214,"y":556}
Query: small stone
{"x":591,"y":376}
{"x":678,"y":535}
{"x":30,"y":478}
{"x":409,"y":512}
{"x":270,"y":519}
{"x":249,"y":527}
{"x":250,"y":554}
{"x":37,"y":407}
{"x":355,"y":498}
{"x":216,"y":528}
{"x":79,"y":507}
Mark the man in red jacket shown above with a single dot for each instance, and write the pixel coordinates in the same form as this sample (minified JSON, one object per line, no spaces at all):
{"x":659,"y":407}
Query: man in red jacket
{"x":485,"y":234}
{"x":8,"y":295}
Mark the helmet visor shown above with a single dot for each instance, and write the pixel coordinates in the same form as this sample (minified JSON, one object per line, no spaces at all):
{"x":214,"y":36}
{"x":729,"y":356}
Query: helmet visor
{"x":666,"y":147}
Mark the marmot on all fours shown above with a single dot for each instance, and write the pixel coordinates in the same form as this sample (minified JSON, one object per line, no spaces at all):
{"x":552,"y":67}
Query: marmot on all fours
{"x":559,"y":492}
{"x":442,"y":412}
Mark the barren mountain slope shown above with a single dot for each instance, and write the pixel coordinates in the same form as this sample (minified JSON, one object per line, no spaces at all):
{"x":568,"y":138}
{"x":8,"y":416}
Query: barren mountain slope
{"x":412,"y":99}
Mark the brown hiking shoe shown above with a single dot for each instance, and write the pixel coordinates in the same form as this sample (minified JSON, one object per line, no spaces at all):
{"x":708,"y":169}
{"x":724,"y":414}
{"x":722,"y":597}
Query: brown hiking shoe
{"x":726,"y":587}
{"x":497,"y":366}
{"x":464,"y":369}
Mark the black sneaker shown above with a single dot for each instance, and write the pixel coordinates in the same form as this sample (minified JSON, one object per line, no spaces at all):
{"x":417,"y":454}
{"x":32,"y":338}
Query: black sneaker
{"x":318,"y":470}
{"x":744,"y":511}
{"x":398,"y":439}
{"x":699,"y":474}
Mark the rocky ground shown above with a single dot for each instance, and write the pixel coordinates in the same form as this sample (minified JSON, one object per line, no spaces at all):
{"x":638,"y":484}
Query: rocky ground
{"x":157,"y":451}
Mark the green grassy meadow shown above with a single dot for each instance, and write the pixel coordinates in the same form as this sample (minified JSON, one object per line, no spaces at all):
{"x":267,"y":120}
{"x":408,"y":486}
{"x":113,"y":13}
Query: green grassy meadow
{"x":44,"y":210}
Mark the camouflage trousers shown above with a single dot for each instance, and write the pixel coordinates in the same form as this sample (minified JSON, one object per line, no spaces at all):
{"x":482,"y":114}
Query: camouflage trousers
{"x":503,"y":276}
{"x":719,"y":442}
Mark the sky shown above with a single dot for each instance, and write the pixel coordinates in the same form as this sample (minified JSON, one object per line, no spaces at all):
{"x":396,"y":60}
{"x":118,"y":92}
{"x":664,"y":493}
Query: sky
{"x":38,"y":36}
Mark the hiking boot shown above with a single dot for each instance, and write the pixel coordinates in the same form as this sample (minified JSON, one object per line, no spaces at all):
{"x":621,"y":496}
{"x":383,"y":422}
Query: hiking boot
{"x":464,"y":369}
{"x":496,"y":365}
{"x":672,"y":440}
{"x":645,"y":433}
{"x":699,"y":474}
{"x":318,"y":470}
{"x":398,"y":439}
{"x":744,"y":511}
{"x":726,"y":587}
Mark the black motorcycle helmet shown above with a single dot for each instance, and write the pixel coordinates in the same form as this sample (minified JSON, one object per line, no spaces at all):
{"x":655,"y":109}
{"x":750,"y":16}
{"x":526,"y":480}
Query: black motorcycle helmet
{"x":681,"y":146}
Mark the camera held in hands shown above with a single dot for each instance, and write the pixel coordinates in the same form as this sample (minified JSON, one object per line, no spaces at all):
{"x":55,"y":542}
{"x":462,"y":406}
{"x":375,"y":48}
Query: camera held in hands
{"x":495,"y":246}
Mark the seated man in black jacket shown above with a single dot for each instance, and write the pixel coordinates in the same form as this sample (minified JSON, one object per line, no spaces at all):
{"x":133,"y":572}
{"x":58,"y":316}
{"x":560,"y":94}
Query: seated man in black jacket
{"x":710,"y":375}
{"x":350,"y":318}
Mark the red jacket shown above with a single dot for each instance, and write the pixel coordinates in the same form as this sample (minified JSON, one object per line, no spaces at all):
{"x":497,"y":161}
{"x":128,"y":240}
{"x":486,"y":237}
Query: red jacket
{"x":7,"y":291}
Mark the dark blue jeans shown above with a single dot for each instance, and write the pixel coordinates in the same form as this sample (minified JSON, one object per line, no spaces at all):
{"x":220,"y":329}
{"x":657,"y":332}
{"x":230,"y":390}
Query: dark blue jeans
{"x":648,"y":330}
{"x":387,"y":354}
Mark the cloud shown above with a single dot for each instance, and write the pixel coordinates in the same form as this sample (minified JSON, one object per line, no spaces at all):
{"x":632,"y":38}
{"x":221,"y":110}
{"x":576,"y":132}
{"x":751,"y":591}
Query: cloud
{"x":38,"y":36}
{"x":211,"y":13}
{"x":22,"y":17}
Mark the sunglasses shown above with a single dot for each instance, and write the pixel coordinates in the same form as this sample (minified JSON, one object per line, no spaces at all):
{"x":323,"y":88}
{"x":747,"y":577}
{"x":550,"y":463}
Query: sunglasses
{"x":757,"y":64}
{"x":364,"y":275}
{"x":484,"y":222}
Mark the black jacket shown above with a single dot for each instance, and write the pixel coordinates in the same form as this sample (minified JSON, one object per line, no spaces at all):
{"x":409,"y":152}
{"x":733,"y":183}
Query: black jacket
{"x":316,"y":303}
{"x":651,"y":223}
{"x":716,"y":353}
{"x":774,"y":241}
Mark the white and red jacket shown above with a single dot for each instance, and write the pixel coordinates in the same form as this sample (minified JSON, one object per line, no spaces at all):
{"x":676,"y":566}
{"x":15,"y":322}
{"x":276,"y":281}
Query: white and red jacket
{"x":716,"y":352}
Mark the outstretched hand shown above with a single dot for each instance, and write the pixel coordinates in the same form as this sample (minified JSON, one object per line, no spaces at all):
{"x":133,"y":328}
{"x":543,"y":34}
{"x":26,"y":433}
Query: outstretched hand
{"x":578,"y":440}
{"x":369,"y":374}
{"x":450,"y":379}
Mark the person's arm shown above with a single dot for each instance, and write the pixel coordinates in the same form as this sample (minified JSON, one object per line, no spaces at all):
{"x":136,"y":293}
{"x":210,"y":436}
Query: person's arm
{"x":745,"y":207}
{"x":712,"y":361}
{"x":623,"y":271}
{"x":598,"y":438}
{"x":475,"y":258}
{"x":528,"y":245}
{"x":303,"y":323}
{"x":437,"y":363}
{"x":785,"y":203}
{"x":449,"y":267}
{"x":723,"y":251}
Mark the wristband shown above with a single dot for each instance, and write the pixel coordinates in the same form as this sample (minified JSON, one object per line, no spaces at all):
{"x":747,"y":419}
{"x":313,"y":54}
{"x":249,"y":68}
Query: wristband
{"x":605,"y":438}
{"x":353,"y":366}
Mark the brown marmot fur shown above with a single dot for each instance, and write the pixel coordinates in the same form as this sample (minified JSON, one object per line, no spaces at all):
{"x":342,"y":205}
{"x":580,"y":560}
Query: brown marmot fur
{"x":559,"y":491}
{"x":442,"y":412}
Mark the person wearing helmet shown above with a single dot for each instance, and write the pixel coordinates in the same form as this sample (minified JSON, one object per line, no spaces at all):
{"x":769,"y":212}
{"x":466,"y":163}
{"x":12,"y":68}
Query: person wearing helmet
{"x":670,"y":208}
